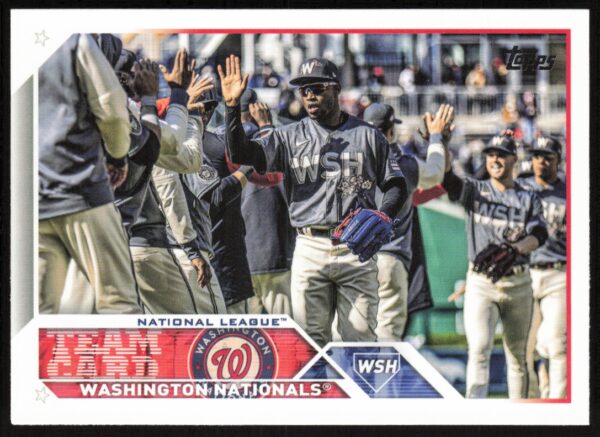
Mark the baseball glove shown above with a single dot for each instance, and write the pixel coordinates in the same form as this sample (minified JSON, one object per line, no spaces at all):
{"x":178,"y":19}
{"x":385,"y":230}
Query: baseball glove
{"x":495,"y":261}
{"x":364,"y":231}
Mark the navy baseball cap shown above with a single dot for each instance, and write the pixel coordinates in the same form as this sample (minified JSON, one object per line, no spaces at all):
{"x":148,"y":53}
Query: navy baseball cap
{"x":380,"y":115}
{"x":502,"y":143}
{"x":546,"y":145}
{"x":249,"y":96}
{"x":315,"y":70}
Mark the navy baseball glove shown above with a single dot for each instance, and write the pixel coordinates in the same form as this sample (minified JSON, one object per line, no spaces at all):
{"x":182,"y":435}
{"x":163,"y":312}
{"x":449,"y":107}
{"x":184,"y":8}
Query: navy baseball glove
{"x":495,"y":261}
{"x":364,"y":231}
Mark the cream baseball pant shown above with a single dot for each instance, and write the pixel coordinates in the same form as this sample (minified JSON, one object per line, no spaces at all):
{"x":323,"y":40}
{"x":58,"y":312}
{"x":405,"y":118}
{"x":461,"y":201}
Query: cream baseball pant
{"x":78,"y":296}
{"x":393,"y":296}
{"x":168,"y":285}
{"x":510,"y":300}
{"x":271,"y":293}
{"x":328,"y":279}
{"x":549,"y":291}
{"x":96,"y":241}
{"x":240,"y":307}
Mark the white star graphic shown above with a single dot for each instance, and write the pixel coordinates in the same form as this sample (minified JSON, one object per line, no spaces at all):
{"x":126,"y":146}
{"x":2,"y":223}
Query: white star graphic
{"x":41,"y":38}
{"x":41,"y":395}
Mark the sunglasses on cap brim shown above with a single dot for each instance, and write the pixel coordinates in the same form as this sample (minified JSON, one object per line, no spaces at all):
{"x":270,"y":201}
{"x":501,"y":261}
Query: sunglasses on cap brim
{"x":315,"y":88}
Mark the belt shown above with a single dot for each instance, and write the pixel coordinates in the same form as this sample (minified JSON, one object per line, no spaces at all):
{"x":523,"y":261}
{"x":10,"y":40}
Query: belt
{"x":516,"y":270}
{"x":549,"y":265}
{"x":313,"y":231}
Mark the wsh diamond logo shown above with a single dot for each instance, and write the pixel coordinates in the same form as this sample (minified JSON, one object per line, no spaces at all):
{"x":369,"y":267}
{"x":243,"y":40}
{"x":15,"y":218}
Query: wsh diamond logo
{"x":376,"y":368}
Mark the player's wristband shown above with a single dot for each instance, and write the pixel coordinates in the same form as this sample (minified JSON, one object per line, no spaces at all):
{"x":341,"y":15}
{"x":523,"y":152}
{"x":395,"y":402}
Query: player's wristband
{"x":178,"y":95}
{"x":435,"y":139}
{"x":148,"y":101}
{"x":247,"y":170}
{"x":149,"y":110}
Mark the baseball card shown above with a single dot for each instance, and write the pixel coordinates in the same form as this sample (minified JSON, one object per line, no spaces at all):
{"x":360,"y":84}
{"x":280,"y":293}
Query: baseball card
{"x":305,"y":218}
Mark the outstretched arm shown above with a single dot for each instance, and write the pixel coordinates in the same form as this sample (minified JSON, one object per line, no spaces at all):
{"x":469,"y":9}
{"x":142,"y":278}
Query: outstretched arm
{"x":431,"y":171}
{"x":241,"y":150}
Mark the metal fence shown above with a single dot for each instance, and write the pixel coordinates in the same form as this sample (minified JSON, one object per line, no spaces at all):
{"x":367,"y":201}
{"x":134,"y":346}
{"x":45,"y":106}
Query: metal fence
{"x":467,"y":101}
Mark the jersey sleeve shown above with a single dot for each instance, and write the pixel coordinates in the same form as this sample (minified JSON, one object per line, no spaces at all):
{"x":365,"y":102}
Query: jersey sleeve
{"x":410,"y":169}
{"x":189,"y":156}
{"x":274,"y":150}
{"x":467,"y":194}
{"x":105,"y":96}
{"x":431,"y":171}
{"x":460,"y":190}
{"x":536,"y":218}
{"x":388,"y":167}
{"x":174,"y":205}
{"x":242,"y":150}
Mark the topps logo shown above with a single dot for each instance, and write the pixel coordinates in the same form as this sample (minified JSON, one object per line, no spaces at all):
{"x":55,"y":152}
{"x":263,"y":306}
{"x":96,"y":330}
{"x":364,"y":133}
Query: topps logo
{"x":376,"y":369}
{"x":519,"y":59}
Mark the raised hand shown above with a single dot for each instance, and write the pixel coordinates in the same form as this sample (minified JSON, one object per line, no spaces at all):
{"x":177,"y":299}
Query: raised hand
{"x":443,"y":117}
{"x":145,"y":80}
{"x":196,"y":89}
{"x":441,"y":123}
{"x":181,"y":75}
{"x":449,"y":127}
{"x":261,"y":113}
{"x":233,"y":83}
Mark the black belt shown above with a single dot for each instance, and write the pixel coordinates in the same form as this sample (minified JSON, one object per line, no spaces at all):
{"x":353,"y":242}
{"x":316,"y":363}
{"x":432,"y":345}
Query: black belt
{"x":549,"y":265}
{"x":516,"y":270}
{"x":312,"y":231}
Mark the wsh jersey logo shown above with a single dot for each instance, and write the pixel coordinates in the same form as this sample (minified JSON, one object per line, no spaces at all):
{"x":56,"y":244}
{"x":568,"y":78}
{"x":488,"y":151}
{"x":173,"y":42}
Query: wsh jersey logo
{"x":329,"y":165}
{"x":376,"y":368}
{"x":498,"y":215}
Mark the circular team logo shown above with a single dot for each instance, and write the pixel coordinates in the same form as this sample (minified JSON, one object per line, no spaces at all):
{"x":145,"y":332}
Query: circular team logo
{"x":243,"y":354}
{"x":207,"y":173}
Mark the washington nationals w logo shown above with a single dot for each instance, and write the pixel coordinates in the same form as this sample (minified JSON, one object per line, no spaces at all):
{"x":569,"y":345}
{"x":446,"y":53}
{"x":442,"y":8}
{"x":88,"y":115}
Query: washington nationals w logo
{"x":233,"y":354}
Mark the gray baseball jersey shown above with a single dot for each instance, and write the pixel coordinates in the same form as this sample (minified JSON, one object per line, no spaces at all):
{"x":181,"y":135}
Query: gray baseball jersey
{"x":328,"y":173}
{"x":554,"y":202}
{"x":497,"y":217}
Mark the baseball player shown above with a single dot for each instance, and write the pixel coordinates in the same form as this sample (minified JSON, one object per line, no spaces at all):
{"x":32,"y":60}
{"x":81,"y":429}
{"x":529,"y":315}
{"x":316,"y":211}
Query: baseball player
{"x":161,"y":254}
{"x":393,"y":260}
{"x":228,"y":231}
{"x":548,"y":265}
{"x":504,"y":220}
{"x":82,"y":106}
{"x":270,"y":238}
{"x":156,"y":141}
{"x":331,"y":163}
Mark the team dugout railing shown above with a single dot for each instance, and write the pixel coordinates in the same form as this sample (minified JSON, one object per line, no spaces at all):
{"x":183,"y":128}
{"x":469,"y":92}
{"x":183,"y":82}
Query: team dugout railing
{"x":467,"y":101}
